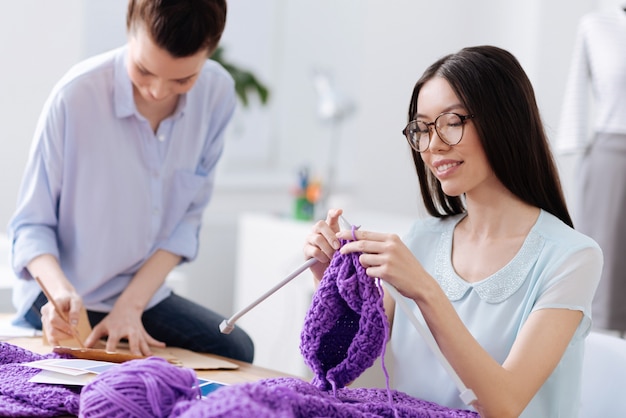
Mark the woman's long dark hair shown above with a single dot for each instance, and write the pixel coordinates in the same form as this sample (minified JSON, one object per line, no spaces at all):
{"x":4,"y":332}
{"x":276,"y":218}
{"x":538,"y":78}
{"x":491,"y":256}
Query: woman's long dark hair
{"x":492,"y":85}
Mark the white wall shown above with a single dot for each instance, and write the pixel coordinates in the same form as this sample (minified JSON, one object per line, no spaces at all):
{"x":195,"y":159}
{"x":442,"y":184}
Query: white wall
{"x":375,"y":52}
{"x":39,"y":40}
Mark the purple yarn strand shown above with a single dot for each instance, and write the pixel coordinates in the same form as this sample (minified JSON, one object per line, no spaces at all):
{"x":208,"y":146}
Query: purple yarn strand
{"x":354,"y":228}
{"x":381,"y":311}
{"x":384,"y":349}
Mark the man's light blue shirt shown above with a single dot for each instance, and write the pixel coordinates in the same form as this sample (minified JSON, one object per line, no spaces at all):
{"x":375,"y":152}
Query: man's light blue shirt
{"x":102,"y":191}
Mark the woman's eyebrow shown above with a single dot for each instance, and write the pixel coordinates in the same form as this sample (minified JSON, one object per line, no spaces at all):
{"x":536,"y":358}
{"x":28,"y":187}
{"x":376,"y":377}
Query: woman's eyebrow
{"x":445,"y":110}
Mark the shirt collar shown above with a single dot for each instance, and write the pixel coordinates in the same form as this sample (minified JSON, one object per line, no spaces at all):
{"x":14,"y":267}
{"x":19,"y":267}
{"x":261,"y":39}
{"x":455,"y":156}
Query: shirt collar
{"x":499,"y":286}
{"x":122,"y":88}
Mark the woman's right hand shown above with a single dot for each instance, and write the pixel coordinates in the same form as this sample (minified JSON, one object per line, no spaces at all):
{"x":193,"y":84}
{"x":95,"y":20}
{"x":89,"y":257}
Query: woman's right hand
{"x":47,"y":268}
{"x":54,"y":326}
{"x":322,"y":242}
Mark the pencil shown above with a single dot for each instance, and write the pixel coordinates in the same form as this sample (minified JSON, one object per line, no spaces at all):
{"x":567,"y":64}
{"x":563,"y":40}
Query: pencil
{"x":59,"y":311}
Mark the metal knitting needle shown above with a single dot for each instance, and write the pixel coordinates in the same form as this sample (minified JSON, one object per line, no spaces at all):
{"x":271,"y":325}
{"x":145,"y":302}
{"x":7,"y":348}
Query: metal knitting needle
{"x":228,"y":325}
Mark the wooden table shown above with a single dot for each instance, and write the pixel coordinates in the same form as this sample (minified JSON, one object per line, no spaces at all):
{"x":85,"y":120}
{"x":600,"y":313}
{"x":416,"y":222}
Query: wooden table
{"x":245,"y":372}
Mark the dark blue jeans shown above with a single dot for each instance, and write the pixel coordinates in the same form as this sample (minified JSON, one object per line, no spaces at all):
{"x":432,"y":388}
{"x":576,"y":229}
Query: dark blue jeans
{"x":179,"y":322}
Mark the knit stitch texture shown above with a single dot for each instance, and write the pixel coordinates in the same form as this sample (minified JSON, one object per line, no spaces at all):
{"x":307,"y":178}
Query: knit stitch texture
{"x":294,"y":398}
{"x":344,"y":328}
{"x":21,"y":398}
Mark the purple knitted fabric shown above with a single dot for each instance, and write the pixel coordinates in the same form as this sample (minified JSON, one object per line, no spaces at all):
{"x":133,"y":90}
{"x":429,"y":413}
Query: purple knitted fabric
{"x":344,"y":329}
{"x":21,"y":398}
{"x":291,"y":398}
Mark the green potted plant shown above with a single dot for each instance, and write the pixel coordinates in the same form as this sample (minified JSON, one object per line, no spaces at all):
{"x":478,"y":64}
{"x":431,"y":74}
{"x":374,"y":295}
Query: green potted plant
{"x":246,"y":82}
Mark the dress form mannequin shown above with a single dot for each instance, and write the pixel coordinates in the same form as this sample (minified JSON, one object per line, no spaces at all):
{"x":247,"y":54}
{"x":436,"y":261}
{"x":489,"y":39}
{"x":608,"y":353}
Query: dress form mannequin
{"x":593,"y":125}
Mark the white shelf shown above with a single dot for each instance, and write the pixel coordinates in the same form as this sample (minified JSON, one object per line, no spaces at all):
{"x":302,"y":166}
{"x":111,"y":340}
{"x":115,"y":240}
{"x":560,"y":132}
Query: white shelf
{"x":7,"y":278}
{"x":269,"y":249}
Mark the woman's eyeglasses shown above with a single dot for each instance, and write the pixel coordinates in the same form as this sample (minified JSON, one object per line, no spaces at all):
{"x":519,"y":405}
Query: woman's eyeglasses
{"x":449,"y":127}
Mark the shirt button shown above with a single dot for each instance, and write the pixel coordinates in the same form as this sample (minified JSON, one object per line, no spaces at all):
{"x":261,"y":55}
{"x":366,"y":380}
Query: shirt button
{"x":161,"y":138}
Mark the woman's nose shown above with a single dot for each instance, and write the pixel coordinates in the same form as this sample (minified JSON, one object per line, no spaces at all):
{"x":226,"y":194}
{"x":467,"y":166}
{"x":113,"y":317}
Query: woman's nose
{"x":436,"y":143}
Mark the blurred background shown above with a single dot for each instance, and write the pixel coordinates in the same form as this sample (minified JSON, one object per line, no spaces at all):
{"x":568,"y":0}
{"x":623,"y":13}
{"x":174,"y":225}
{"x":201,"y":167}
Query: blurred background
{"x":340,"y":75}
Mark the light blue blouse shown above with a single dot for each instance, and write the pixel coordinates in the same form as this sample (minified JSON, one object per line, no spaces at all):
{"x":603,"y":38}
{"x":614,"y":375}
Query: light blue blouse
{"x":556,"y":267}
{"x":102,"y":192}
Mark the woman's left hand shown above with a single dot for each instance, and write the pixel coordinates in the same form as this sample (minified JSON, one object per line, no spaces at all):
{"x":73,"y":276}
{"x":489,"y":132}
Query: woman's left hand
{"x":385,"y":256}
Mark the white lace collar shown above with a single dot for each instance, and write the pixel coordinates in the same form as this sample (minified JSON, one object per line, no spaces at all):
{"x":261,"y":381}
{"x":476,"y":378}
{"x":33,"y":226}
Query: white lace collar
{"x":500,"y":285}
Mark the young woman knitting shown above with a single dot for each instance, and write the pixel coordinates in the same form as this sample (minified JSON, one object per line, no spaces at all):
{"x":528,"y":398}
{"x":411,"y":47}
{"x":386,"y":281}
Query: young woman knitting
{"x":497,"y":273}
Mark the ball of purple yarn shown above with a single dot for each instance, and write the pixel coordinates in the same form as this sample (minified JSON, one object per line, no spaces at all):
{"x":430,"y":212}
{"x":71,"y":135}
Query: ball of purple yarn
{"x":138,"y":388}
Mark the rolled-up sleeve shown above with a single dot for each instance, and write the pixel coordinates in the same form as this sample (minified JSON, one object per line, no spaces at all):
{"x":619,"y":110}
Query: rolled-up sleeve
{"x":32,"y":230}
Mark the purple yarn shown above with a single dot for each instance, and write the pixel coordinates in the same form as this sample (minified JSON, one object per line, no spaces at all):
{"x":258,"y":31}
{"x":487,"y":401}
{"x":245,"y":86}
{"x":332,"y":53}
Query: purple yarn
{"x":138,"y":388}
{"x":291,"y":398}
{"x":20,"y":398}
{"x":344,"y":331}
